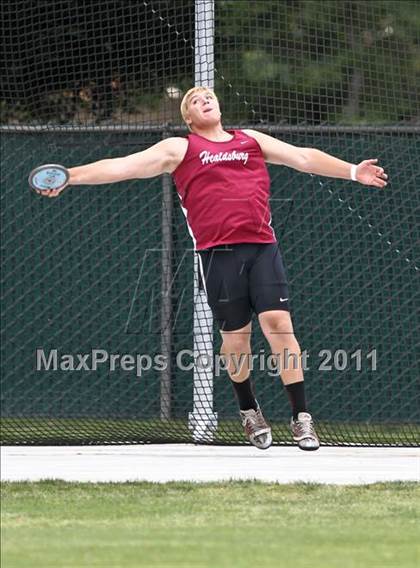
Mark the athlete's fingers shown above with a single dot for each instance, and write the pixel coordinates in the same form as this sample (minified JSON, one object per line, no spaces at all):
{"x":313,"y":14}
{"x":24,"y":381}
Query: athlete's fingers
{"x":54,"y":192}
{"x":379,"y":183}
{"x":381,"y":174}
{"x":370,"y":162}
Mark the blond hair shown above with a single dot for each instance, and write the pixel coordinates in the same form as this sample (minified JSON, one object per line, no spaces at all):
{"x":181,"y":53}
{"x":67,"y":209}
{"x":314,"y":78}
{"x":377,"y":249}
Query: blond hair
{"x":188,"y":96}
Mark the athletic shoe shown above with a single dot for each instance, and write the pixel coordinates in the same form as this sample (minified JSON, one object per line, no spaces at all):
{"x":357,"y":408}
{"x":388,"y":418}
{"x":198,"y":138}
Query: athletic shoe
{"x":256,"y":428}
{"x":304,"y":432}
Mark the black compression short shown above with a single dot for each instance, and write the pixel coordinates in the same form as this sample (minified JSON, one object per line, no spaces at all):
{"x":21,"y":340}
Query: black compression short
{"x":243,"y":278}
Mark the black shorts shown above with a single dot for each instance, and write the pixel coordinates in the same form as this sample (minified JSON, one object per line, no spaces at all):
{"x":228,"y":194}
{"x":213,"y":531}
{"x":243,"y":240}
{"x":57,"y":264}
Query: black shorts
{"x":243,"y":278}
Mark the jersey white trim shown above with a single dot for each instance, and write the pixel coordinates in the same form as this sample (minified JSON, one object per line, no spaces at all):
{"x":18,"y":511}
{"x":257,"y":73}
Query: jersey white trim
{"x":185,"y":211}
{"x":201,"y":268}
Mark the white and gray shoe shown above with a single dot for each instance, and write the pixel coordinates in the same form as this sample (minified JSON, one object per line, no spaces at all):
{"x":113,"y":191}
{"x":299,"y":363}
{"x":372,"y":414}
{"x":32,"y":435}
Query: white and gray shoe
{"x":256,"y":428}
{"x":304,"y":432}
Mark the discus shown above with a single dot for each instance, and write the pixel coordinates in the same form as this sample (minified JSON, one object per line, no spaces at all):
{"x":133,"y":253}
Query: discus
{"x":48,"y":177}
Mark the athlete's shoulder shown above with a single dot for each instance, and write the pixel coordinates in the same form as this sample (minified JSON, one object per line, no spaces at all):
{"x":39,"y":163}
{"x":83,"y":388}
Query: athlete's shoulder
{"x":175,"y":143}
{"x":256,"y":134}
{"x":176,"y":148}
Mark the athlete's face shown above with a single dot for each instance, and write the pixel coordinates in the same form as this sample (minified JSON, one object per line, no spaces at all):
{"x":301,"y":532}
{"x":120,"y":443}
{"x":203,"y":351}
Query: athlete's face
{"x":203,"y":110}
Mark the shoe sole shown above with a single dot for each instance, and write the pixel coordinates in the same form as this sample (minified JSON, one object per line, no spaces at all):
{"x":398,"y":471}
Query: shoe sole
{"x":267,"y":444}
{"x":297,"y":440}
{"x":308,"y":449}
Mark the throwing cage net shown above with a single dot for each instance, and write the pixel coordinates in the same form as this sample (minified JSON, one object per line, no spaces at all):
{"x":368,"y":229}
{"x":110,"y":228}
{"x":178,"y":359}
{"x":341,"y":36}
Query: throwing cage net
{"x":106,"y":333}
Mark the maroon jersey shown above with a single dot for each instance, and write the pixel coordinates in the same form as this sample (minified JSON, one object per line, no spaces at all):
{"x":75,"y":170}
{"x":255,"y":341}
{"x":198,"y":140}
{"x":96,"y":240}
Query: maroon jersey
{"x":224,"y":188}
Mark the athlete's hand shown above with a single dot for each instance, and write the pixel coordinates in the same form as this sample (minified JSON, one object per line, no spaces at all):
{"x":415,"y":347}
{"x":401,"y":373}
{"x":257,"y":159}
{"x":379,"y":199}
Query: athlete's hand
{"x":368,"y":173}
{"x":51,"y":192}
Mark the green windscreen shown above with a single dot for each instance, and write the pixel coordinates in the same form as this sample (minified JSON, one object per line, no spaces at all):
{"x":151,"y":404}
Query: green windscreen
{"x":83,"y":272}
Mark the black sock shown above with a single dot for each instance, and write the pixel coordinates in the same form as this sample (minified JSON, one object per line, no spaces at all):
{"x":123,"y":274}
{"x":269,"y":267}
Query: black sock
{"x":245,"y":395}
{"x":296,"y":392}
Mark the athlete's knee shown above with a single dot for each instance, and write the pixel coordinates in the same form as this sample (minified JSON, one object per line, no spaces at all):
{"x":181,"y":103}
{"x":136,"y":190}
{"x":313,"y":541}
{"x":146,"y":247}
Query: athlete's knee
{"x":236,"y":344}
{"x":237,"y":341}
{"x":276,"y":322}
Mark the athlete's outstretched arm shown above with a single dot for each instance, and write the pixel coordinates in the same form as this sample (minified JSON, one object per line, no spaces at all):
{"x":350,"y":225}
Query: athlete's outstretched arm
{"x":160,"y":158}
{"x":149,"y":163}
{"x":313,"y":161}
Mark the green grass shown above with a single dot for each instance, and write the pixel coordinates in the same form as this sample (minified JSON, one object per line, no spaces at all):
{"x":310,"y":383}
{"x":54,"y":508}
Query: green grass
{"x":230,"y":525}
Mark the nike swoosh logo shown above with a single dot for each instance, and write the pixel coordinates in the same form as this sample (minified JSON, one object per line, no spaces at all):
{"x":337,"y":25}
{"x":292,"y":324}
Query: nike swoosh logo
{"x":283,"y":299}
{"x":244,"y":142}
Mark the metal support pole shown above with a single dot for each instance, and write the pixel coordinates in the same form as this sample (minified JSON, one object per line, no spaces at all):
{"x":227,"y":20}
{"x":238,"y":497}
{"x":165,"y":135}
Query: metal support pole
{"x":202,"y":420}
{"x":166,"y":294}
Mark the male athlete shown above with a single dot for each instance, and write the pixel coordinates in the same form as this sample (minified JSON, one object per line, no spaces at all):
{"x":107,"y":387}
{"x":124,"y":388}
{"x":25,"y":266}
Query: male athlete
{"x":224,"y":188}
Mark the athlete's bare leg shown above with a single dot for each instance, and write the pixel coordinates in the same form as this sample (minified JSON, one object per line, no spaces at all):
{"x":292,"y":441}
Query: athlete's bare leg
{"x":236,"y":349}
{"x":277,"y":327}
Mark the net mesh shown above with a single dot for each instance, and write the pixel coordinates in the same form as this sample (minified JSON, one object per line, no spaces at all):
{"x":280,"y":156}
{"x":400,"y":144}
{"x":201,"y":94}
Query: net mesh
{"x":110,"y":270}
